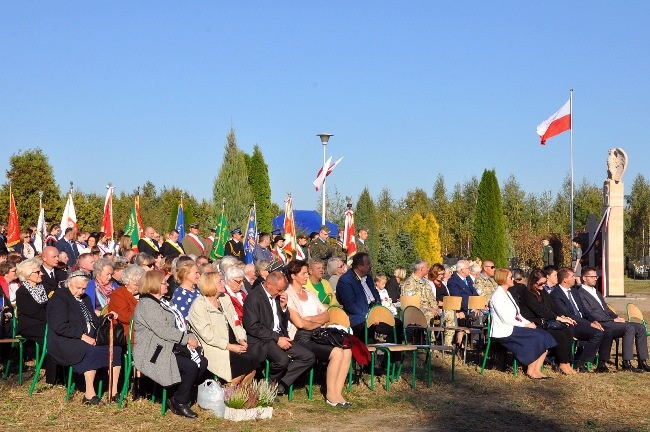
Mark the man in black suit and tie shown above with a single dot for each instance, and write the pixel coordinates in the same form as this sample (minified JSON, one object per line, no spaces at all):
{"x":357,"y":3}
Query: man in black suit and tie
{"x":631,"y":332}
{"x":265,"y":320}
{"x":598,"y":340}
{"x":147,"y":244}
{"x":68,"y":245}
{"x":52,"y":276}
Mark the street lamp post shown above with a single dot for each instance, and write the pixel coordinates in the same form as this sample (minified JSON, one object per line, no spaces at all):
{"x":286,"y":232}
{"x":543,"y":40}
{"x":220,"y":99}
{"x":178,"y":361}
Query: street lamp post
{"x":324,"y":138}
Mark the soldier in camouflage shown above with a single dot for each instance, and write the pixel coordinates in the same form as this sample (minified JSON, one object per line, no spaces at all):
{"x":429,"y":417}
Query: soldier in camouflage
{"x":319,"y":248}
{"x":416,"y":284}
{"x":485,"y":284}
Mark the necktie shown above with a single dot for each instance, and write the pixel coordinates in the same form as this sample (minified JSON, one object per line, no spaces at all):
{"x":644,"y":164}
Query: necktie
{"x":573,"y":304}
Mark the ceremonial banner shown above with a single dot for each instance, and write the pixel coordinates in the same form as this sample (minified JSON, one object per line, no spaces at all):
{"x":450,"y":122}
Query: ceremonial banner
{"x":41,"y":231}
{"x":348,"y":234}
{"x":251,"y":236}
{"x":289,"y":228}
{"x":13,"y":229}
{"x":107,"y":220}
{"x":220,"y":237}
{"x":69,"y":219}
{"x":133,"y":227}
{"x":180,"y":222}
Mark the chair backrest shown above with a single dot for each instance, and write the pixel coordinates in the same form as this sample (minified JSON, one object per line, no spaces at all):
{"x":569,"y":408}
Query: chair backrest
{"x":611,"y":308}
{"x":476,"y":302}
{"x":413,"y":315}
{"x":407,"y":301}
{"x":338,"y":316}
{"x":379,"y":314}
{"x":451,"y":303}
{"x":634,"y":314}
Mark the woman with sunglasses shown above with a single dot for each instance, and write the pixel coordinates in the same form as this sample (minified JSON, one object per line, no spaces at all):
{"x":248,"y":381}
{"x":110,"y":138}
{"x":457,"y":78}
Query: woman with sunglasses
{"x":528,"y":343}
{"x":538,"y":307}
{"x":187,"y":276}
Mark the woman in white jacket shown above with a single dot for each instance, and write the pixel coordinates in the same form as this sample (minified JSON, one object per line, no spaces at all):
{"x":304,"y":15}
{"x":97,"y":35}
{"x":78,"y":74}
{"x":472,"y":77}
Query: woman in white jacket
{"x":528,"y":343}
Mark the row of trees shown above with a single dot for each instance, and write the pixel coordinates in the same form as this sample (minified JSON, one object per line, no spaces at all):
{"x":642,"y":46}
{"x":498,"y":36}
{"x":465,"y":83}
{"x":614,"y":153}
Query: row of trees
{"x":470,"y":219}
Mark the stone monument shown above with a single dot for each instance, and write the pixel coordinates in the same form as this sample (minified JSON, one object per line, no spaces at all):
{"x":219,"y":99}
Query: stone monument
{"x":613,"y":197}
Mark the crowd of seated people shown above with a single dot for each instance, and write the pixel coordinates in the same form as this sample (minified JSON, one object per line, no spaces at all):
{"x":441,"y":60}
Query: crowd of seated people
{"x":193,"y":319}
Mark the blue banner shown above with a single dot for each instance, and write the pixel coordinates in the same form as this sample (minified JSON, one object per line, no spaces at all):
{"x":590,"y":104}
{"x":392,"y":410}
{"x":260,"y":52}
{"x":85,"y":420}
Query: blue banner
{"x":251,"y":236}
{"x":180,"y":223}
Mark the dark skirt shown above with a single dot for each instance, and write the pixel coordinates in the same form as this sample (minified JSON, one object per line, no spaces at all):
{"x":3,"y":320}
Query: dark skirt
{"x":96,"y":357}
{"x":322,"y":352}
{"x":241,"y":364}
{"x":527,"y":344}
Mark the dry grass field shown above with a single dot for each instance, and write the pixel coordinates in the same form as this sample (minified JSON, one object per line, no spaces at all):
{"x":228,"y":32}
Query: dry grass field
{"x":495,"y":401}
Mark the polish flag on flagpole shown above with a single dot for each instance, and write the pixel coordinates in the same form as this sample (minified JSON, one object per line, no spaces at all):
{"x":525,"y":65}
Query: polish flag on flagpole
{"x":320,"y":177}
{"x":328,"y":168}
{"x":289,"y":228}
{"x":348,"y":233}
{"x":555,"y":124}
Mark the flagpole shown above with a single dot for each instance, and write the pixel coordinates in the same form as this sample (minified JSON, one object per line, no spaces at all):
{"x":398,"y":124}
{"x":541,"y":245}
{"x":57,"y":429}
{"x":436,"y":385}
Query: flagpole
{"x":571,"y":132}
{"x":324,"y":138}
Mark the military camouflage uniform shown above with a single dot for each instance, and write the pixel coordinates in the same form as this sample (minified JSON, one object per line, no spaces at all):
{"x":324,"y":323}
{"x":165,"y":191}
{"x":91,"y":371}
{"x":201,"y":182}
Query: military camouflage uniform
{"x":414,"y":286}
{"x":485,"y":286}
{"x":361,"y":247}
{"x":547,"y":256}
{"x":320,"y":249}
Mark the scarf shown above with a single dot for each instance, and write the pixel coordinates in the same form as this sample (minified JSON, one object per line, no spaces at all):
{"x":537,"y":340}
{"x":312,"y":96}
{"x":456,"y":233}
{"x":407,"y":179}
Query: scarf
{"x":37,"y":292}
{"x":237,"y":299}
{"x":88,"y":316}
{"x":103,"y":293}
{"x":178,"y":317}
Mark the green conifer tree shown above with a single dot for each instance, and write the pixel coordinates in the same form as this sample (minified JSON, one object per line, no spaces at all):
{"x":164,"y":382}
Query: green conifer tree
{"x":232,"y":185}
{"x":365,"y":216}
{"x":489,"y":234}
{"x":258,"y":179}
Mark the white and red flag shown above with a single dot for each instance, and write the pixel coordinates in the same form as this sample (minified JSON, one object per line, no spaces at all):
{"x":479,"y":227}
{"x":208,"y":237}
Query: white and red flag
{"x":555,"y":124}
{"x":107,"y":221}
{"x":348,"y":234}
{"x":325,"y":171}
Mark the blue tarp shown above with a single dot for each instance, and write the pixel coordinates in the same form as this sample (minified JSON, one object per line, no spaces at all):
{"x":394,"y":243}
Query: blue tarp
{"x":306,"y":221}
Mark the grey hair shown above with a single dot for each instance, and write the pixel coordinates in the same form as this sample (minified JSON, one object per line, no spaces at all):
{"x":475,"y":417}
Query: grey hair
{"x":226,"y":262}
{"x":461,"y":264}
{"x":232,"y":273}
{"x":518,"y":274}
{"x":132,"y":273}
{"x":99,"y":265}
{"x":261,"y":265}
{"x":333,"y":265}
{"x":474,"y":268}
{"x":26,"y":268}
{"x":418,"y":264}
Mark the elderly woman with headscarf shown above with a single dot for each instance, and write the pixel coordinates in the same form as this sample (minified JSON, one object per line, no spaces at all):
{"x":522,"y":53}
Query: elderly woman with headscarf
{"x":31,"y":302}
{"x":72,"y":329}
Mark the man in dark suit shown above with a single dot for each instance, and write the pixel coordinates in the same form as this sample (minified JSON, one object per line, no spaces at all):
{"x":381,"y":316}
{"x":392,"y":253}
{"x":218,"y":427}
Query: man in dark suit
{"x":356,"y":292}
{"x":265,"y":320}
{"x":67,"y":244}
{"x":597,"y":310}
{"x":460,"y":284}
{"x":597,"y":339}
{"x":147,"y":244}
{"x":171,"y":247}
{"x":52,"y":276}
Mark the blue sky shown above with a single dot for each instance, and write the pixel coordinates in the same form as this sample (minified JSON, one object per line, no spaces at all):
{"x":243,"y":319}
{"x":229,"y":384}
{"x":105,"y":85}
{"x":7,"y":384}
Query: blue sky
{"x":410,"y":90}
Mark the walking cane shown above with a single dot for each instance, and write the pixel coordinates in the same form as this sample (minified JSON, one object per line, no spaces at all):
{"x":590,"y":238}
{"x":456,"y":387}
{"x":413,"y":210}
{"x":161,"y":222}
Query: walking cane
{"x":110,"y":360}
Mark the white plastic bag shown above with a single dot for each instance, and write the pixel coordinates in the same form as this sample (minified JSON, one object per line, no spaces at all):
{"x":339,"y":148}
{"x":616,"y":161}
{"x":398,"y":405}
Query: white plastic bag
{"x":210,"y":397}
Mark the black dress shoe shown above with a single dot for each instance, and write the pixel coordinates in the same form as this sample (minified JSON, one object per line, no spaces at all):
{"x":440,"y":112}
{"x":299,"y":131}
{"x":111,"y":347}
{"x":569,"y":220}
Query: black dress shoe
{"x":627,"y":366}
{"x":282,"y":389}
{"x":92,"y":401}
{"x":644,"y":366}
{"x":602,"y":368}
{"x":181,"y":409}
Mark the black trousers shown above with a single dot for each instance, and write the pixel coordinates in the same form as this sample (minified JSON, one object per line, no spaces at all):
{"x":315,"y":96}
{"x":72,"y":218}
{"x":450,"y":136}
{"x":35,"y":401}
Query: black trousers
{"x":190,"y":374}
{"x":597,"y":341}
{"x":287,"y":366}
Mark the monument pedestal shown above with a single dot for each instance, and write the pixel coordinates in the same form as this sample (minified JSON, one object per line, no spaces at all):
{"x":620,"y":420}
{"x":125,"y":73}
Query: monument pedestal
{"x":614,"y":263}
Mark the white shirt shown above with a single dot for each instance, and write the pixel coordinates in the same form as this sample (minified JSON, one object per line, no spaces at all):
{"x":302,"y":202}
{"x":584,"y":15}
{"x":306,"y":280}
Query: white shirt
{"x":569,"y":295}
{"x":276,"y":318}
{"x":592,"y":292}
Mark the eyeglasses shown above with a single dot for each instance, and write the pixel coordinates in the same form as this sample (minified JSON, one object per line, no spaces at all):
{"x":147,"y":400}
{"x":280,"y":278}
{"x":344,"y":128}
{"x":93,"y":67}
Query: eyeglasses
{"x":341,"y":265}
{"x":490,"y":267}
{"x":509,"y":277}
{"x":540,"y":283}
{"x":239,"y":281}
{"x":590,"y":276}
{"x":37,"y":271}
{"x":149,"y":265}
